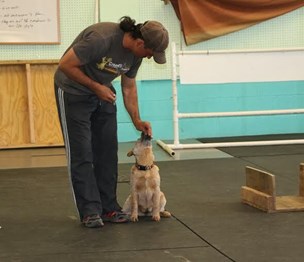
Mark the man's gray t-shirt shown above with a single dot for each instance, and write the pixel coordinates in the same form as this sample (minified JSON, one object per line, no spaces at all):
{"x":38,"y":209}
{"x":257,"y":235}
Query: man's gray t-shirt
{"x":103,"y":58}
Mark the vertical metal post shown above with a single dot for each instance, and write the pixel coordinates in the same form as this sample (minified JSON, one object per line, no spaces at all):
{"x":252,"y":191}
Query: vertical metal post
{"x":97,"y":11}
{"x":174,"y":95}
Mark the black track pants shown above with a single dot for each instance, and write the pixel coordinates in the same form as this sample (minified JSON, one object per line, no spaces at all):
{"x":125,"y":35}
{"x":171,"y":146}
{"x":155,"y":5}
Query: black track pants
{"x":89,"y":128}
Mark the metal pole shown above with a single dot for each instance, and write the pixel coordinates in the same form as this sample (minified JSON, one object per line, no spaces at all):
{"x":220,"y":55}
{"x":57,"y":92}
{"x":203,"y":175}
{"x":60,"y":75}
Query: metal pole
{"x":97,"y":11}
{"x":233,"y":51}
{"x":174,"y":95}
{"x":242,"y":113}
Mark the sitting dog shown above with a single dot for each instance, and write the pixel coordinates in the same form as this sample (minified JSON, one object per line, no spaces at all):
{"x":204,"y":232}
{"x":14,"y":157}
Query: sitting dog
{"x":145,"y":198}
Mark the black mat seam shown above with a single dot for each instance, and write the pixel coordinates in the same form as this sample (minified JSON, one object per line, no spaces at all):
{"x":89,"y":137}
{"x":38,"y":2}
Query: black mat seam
{"x":253,"y":163}
{"x":106,"y":251}
{"x":199,"y":236}
{"x":261,"y":167}
{"x":285,"y":154}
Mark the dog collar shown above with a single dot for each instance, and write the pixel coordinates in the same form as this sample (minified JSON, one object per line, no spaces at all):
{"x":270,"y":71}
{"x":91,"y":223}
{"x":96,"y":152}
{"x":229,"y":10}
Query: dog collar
{"x":144,"y":168}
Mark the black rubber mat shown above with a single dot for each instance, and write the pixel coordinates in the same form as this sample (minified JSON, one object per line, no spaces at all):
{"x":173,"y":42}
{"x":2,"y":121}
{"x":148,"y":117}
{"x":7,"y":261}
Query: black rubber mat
{"x":205,"y":196}
{"x":39,"y":222}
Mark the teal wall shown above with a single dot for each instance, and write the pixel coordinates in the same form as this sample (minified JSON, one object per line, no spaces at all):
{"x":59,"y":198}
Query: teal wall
{"x":155,"y":99}
{"x":154,"y":85}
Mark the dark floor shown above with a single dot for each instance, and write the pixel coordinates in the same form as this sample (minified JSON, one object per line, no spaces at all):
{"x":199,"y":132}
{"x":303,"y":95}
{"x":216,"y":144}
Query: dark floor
{"x":38,"y":221}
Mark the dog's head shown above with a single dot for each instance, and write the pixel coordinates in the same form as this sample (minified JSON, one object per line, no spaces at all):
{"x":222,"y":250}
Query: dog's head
{"x":143,"y":150}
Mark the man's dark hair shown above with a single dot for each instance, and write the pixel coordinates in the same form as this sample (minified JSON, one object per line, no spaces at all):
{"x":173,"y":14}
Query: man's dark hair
{"x":128,"y":25}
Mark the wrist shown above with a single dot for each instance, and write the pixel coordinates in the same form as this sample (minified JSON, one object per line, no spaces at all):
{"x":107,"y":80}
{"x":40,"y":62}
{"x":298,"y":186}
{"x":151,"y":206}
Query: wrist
{"x":137,"y":122}
{"x":93,"y":85}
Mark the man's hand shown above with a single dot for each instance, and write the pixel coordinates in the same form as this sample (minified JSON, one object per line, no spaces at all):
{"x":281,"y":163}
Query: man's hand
{"x":104,"y":93}
{"x":144,"y":127}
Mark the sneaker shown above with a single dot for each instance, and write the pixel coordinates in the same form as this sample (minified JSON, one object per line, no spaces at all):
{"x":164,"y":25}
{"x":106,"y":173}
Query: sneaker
{"x":116,"y":217}
{"x":92,"y":221}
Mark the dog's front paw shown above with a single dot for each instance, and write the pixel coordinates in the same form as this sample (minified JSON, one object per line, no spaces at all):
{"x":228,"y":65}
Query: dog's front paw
{"x":165,"y":214}
{"x":156,"y":218}
{"x":134,"y":218}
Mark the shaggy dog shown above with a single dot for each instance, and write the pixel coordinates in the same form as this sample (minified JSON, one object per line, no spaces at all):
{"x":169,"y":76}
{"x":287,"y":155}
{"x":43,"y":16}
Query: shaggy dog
{"x":145,"y":198}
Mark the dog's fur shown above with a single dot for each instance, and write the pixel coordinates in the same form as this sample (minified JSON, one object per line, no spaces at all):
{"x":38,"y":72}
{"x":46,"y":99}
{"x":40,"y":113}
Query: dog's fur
{"x":145,"y":198}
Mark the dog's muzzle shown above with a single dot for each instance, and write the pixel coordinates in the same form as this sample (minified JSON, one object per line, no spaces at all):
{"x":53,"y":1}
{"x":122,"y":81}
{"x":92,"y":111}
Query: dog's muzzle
{"x":145,"y":139}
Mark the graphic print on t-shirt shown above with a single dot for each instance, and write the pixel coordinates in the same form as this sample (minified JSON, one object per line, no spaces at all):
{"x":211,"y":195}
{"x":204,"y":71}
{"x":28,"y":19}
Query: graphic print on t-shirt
{"x":107,"y":65}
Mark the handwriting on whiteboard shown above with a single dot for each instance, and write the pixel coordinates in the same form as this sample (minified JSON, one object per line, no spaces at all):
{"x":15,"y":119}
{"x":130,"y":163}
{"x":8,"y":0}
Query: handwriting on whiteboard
{"x":14,"y":17}
{"x":29,"y":22}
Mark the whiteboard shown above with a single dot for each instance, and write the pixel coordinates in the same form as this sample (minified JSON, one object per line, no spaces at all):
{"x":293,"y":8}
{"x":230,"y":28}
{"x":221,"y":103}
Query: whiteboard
{"x":29,"y":22}
{"x":235,"y":67}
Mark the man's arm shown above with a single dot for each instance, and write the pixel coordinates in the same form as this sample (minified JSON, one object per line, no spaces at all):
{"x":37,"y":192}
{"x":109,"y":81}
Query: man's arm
{"x":70,"y":65}
{"x":129,"y":91}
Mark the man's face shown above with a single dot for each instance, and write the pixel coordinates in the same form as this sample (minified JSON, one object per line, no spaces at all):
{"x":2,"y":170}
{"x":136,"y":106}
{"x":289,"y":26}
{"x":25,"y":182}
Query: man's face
{"x":141,"y":51}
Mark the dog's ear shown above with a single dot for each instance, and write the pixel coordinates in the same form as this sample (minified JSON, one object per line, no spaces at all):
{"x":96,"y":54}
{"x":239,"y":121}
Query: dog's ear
{"x":130,"y":153}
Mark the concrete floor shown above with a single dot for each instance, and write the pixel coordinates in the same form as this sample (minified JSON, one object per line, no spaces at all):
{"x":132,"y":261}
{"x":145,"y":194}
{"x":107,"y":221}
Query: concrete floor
{"x":38,"y":220}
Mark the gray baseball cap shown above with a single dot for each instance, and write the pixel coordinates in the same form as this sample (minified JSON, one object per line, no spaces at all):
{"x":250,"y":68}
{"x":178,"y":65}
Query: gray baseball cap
{"x":156,"y":37}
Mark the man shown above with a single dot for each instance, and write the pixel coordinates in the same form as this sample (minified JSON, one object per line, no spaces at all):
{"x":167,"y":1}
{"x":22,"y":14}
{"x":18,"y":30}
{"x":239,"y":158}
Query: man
{"x":87,"y":110}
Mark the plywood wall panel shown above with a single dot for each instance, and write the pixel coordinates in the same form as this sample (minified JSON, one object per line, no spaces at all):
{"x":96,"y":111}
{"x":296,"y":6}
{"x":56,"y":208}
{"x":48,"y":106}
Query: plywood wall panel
{"x":47,"y":126}
{"x":28,"y":113}
{"x":14,"y":121}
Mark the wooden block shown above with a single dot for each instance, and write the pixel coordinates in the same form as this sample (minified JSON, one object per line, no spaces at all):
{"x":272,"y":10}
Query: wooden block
{"x":258,"y":199}
{"x":260,"y":180}
{"x":289,"y":203}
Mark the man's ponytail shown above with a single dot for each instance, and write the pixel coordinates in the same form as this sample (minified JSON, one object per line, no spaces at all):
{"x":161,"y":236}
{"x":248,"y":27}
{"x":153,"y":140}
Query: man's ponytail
{"x":128,"y":25}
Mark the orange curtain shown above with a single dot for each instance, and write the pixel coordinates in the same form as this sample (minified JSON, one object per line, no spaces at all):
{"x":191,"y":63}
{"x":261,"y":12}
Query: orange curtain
{"x":202,"y":20}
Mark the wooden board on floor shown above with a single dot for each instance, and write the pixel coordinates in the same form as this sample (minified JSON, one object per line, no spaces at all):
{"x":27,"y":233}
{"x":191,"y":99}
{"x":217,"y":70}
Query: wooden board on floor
{"x":260,"y":192}
{"x":289,"y":203}
{"x":258,"y":199}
